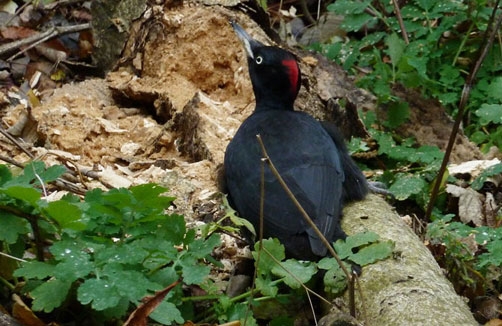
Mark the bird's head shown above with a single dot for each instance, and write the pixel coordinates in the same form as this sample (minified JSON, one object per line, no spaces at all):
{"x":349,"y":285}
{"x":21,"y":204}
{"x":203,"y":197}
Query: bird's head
{"x":274,"y":73}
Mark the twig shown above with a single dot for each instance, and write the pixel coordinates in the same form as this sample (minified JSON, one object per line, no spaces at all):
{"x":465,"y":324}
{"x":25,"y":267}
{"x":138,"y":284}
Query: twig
{"x":12,"y":257}
{"x":35,"y":39}
{"x":15,"y":142}
{"x":60,"y":3}
{"x":466,"y":91}
{"x":260,"y":235}
{"x":400,"y":20}
{"x":361,"y":297}
{"x":306,"y":12}
{"x":11,"y":161}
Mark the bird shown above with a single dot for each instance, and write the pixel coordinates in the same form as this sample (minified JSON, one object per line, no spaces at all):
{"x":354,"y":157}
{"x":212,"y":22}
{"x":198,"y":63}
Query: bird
{"x":309,"y":155}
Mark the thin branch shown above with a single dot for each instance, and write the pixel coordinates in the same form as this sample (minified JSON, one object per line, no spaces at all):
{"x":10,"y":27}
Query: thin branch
{"x":12,"y":257}
{"x":400,"y":20}
{"x":461,"y":107}
{"x":260,"y":236}
{"x":15,"y":142}
{"x":11,"y":161}
{"x":35,"y":39}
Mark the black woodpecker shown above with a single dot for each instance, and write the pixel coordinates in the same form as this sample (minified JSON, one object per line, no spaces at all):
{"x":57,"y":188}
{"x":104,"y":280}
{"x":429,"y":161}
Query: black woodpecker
{"x":309,"y":155}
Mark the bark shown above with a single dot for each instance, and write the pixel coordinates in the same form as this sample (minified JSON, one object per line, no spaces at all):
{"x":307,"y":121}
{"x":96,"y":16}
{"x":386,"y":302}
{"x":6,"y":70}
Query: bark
{"x":408,"y":289}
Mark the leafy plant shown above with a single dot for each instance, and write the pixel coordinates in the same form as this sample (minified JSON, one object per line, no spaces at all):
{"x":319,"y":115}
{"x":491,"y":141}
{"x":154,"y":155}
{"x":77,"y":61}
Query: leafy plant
{"x":432,"y":49}
{"x":442,"y":41}
{"x":409,"y":169}
{"x":281,"y":284}
{"x":361,"y":249}
{"x":471,"y":254}
{"x":108,"y":251}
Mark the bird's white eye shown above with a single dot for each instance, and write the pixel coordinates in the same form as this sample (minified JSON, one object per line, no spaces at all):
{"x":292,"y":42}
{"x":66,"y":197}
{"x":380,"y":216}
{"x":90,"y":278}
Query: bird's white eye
{"x":259,"y":59}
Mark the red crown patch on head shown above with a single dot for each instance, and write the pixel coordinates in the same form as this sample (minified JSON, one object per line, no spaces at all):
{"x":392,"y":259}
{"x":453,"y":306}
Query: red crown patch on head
{"x":293,"y":73}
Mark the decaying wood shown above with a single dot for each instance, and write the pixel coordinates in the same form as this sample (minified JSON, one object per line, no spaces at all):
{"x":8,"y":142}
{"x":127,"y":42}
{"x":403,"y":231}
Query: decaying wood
{"x":410,"y":288}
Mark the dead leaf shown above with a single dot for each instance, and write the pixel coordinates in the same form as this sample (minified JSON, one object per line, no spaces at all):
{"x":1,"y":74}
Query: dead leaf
{"x":16,"y":32}
{"x":470,"y":205}
{"x":139,"y":316}
{"x":473,"y":168}
{"x":23,"y":313}
{"x":491,"y":210}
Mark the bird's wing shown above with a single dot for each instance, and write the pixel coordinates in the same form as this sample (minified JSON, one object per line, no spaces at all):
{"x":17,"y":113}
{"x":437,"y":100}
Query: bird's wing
{"x":355,"y":186}
{"x":318,"y":190}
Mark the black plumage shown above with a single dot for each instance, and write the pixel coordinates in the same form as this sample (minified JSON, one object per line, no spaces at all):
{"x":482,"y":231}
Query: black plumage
{"x":311,"y":158}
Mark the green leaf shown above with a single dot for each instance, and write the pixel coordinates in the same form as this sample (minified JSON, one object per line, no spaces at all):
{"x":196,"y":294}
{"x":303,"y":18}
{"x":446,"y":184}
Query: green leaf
{"x":201,"y":248}
{"x":345,"y":248}
{"x":50,"y":295}
{"x":150,"y":195}
{"x":395,"y":47}
{"x":240,"y":311}
{"x":397,"y":113}
{"x":52,"y":173}
{"x":129,"y":283}
{"x":166,"y":313}
{"x":68,"y":249}
{"x":133,"y":284}
{"x":266,"y":287}
{"x":117,"y":311}
{"x":335,"y":280}
{"x":165,"y":276}
{"x":373,"y":253}
{"x":407,"y":186}
{"x":74,"y":259}
{"x":35,"y":270}
{"x":194,"y":273}
{"x":355,"y":22}
{"x":357,"y":145}
{"x":5,"y":174}
{"x":327,"y":263}
{"x":35,"y":172}
{"x":174,"y":229}
{"x":449,"y":75}
{"x":238,"y":221}
{"x":417,"y":59}
{"x":99,"y":292}
{"x":67,"y":215}
{"x":426,"y":4}
{"x":426,"y":154}
{"x":266,"y":263}
{"x":74,"y":268}
{"x":12,"y":227}
{"x":493,"y":170}
{"x":24,"y":193}
{"x":494,"y":90}
{"x":294,"y":272}
{"x":490,"y":113}
{"x":349,"y":7}
{"x":122,"y":253}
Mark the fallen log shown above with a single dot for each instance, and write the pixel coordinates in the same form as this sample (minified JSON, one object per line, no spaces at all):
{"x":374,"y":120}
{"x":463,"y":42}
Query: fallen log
{"x":408,"y":289}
